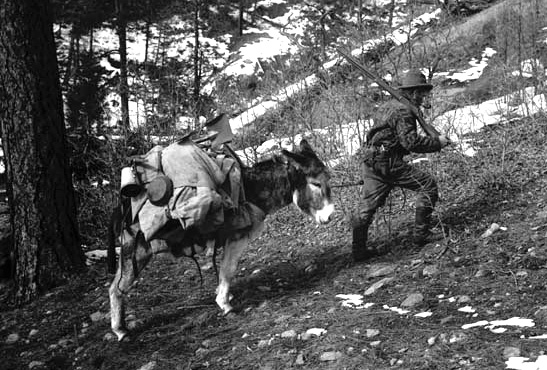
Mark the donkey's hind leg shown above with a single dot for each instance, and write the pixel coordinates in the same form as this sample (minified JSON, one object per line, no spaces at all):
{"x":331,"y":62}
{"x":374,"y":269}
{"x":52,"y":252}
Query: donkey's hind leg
{"x":233,"y":249}
{"x":232,"y":253}
{"x":136,"y":254}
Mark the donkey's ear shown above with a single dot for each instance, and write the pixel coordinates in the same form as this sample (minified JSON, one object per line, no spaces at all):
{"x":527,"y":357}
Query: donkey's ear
{"x":305,"y":146}
{"x":293,"y":158}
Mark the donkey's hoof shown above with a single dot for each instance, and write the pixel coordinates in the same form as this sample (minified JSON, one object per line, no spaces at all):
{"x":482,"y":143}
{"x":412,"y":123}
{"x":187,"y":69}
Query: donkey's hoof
{"x":121,"y":334}
{"x":227,"y":309}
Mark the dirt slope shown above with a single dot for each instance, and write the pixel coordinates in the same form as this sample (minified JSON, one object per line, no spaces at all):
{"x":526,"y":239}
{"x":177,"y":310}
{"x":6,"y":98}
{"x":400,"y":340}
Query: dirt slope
{"x":290,"y":279}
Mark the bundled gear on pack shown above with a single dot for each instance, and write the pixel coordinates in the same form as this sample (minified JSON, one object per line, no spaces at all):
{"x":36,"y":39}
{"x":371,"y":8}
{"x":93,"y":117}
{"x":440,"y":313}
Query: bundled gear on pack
{"x":189,"y":181}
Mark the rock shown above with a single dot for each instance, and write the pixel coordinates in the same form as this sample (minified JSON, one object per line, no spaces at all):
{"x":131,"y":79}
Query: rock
{"x":299,"y":360}
{"x":133,"y":324}
{"x":282,"y":319}
{"x":380,"y":269}
{"x":110,"y":337}
{"x":377,"y":285}
{"x":312,"y":332}
{"x":443,"y":338}
{"x":288,"y":334}
{"x":96,"y":316}
{"x":521,"y":274}
{"x":263,"y":343}
{"x":32,"y":333}
{"x":149,"y":366}
{"x":511,"y":352}
{"x":12,"y":338}
{"x":431,"y":340}
{"x":35,"y":364}
{"x":541,"y":314}
{"x":201,"y":351}
{"x":310,"y":268}
{"x":446,"y":320}
{"x":412,"y":300}
{"x":491,"y":230}
{"x":330,"y":356}
{"x":542,"y":215}
{"x":372,"y":333}
{"x":482,"y":273}
{"x":457,"y":337}
{"x":64,"y":342}
{"x":376,"y":343}
{"x":430,"y":271}
{"x":464,"y":299}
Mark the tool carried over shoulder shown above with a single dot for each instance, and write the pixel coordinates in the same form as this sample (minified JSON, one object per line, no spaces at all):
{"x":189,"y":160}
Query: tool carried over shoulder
{"x":429,"y":130}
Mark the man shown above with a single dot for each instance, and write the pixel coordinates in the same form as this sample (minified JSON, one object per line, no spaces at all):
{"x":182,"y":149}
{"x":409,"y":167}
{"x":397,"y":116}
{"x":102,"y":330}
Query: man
{"x":392,"y":137}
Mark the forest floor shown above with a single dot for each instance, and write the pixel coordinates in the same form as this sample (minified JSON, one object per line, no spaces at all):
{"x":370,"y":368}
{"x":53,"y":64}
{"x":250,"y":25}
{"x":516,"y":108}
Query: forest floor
{"x":416,"y":304}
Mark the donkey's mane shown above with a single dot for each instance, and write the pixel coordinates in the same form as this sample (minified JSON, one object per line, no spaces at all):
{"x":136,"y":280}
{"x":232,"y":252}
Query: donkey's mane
{"x":274,"y":156}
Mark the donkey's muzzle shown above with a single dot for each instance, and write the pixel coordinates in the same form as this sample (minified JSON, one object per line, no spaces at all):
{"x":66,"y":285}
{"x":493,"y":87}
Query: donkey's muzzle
{"x":324,"y":215}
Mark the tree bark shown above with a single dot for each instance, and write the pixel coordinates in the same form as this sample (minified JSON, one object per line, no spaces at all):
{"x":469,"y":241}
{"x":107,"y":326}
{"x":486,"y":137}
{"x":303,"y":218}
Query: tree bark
{"x":122,"y":37}
{"x":197,"y":75}
{"x":241,"y":18}
{"x":68,"y":71}
{"x":40,"y":193}
{"x":91,"y":41}
{"x":391,"y":11}
{"x":147,"y":42}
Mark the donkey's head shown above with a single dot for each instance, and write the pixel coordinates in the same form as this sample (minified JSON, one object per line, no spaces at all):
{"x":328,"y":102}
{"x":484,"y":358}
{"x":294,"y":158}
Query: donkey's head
{"x":310,"y":183}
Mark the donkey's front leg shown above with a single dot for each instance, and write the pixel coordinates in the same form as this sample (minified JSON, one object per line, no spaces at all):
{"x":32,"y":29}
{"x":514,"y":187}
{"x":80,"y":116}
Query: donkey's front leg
{"x":136,"y":254}
{"x":232,"y":253}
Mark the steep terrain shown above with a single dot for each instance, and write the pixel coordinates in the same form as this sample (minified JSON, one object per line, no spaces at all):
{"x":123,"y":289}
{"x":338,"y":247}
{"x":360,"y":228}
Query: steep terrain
{"x":469,"y":301}
{"x":290,"y":312}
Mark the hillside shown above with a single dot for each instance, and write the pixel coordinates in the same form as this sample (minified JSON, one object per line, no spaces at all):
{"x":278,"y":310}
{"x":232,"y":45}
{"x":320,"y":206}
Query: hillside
{"x":458,"y":292}
{"x":470,"y":301}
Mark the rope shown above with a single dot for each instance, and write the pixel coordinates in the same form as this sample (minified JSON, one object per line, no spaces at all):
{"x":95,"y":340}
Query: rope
{"x":348,"y":184}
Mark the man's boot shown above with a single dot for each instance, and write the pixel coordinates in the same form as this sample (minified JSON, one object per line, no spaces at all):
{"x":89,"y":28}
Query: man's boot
{"x":359,"y":247}
{"x":422,"y":226}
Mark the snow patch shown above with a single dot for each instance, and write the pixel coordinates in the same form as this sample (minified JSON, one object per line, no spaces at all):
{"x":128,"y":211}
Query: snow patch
{"x":493,"y":325}
{"x":353,"y":301}
{"x":522,"y":363}
{"x":398,"y":310}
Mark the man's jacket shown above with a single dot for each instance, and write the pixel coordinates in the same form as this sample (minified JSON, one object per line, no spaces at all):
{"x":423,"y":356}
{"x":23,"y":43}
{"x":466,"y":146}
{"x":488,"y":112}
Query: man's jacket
{"x":394,"y":133}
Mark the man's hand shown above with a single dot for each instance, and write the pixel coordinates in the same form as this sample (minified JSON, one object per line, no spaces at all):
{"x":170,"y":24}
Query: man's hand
{"x":444,"y":141}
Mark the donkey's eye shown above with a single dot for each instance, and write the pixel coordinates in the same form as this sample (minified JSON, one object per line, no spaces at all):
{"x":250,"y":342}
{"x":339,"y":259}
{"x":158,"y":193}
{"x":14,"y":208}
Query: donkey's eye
{"x":315,"y":183}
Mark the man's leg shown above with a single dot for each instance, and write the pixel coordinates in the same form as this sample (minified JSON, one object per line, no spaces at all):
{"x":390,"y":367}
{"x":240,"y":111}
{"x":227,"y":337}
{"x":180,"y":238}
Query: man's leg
{"x":373,"y":195}
{"x":426,"y":187}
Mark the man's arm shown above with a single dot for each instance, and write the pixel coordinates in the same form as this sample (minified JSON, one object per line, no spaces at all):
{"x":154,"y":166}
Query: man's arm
{"x":410,"y":139}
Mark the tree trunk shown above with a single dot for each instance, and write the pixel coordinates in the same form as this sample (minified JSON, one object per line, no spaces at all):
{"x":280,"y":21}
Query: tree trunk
{"x":197,"y":76}
{"x":70,"y":57}
{"x":91,"y":41}
{"x":240,"y":19}
{"x":360,"y":14}
{"x":40,"y":193}
{"x":391,"y":11}
{"x":146,"y":43}
{"x":123,"y":87}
